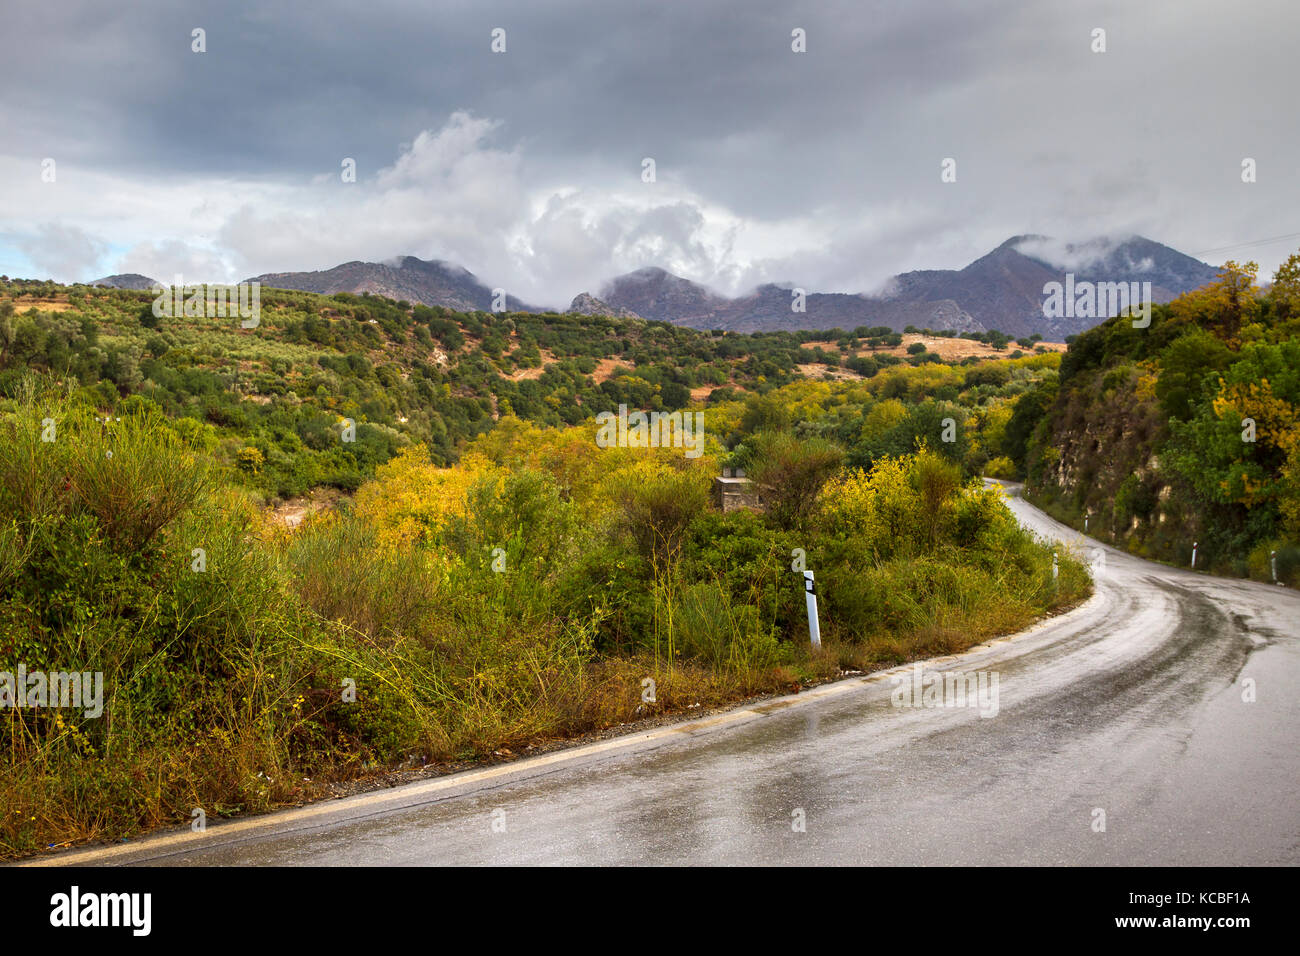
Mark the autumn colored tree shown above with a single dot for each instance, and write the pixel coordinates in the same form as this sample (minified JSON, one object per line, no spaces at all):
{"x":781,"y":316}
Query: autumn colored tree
{"x":1286,"y":288}
{"x":1223,"y":306}
{"x":1239,"y":443}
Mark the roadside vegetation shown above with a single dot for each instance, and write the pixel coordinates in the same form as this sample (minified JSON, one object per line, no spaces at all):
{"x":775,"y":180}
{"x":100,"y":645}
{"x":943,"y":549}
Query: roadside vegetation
{"x":1180,"y":434}
{"x":465,"y":612}
{"x":492,"y":581}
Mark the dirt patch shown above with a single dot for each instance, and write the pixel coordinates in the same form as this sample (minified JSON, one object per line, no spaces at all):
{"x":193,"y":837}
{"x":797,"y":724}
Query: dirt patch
{"x":818,"y":371}
{"x":608,"y":368}
{"x":526,"y":374}
{"x":291,"y":513}
{"x":44,"y":305}
{"x":950,"y":350}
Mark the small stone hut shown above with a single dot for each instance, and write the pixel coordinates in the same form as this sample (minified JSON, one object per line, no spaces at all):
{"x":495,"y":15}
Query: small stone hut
{"x":732,"y":490}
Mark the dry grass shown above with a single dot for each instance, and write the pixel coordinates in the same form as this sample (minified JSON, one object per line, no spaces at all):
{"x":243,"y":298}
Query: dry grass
{"x":43,"y":305}
{"x":819,"y":371}
{"x":950,"y":350}
{"x":608,"y":368}
{"x":525,"y":374}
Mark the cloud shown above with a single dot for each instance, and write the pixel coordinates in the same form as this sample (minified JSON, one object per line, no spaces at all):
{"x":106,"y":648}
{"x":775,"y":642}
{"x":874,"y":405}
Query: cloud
{"x":454,"y":194}
{"x":820,"y":168}
{"x":62,"y":250}
{"x":165,"y":259}
{"x":1087,"y":255}
{"x":449,"y":195}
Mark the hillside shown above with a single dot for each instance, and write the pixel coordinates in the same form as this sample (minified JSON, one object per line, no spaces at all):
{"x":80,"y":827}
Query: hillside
{"x":1184,"y":433}
{"x":472,"y":573}
{"x":1002,"y":291}
{"x":129,"y":280}
{"x":587,"y":304}
{"x":407,"y":279}
{"x":270,"y":399}
{"x":661,"y":295}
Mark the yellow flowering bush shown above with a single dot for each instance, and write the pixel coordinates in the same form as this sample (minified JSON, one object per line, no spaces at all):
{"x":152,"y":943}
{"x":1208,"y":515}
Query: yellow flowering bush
{"x":411,"y":499}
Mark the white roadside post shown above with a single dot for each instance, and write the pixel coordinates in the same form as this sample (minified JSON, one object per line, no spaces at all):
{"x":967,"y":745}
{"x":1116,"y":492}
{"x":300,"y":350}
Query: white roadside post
{"x":1194,"y":544}
{"x":1272,"y":560}
{"x":1055,"y":570}
{"x":810,"y":595}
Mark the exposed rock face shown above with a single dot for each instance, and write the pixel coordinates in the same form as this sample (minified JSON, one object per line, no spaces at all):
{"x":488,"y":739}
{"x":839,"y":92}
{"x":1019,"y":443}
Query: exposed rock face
{"x":656,"y":294}
{"x":1002,"y":290}
{"x":127,"y":280}
{"x":587,"y":304}
{"x":408,"y":278}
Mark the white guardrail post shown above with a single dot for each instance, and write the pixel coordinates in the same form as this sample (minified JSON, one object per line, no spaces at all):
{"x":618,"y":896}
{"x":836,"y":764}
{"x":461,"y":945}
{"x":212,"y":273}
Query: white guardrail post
{"x":810,"y":594}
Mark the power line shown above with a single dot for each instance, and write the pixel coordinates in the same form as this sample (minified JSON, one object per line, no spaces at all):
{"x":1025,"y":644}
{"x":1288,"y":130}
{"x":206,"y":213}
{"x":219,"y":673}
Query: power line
{"x":1243,"y":245}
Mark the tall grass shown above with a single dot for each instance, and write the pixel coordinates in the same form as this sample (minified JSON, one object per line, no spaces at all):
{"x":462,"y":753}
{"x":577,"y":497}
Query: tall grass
{"x":246,"y":666}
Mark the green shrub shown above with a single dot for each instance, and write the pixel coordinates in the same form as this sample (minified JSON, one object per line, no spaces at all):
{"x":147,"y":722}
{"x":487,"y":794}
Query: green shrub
{"x":790,"y":472}
{"x":723,"y":634}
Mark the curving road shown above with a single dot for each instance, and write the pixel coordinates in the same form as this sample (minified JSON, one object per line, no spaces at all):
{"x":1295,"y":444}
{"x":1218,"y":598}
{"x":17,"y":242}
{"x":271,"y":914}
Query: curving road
{"x":1130,"y":706}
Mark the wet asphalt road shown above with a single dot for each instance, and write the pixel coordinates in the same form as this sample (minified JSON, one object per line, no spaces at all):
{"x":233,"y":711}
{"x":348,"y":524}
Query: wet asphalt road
{"x":1131,"y":705}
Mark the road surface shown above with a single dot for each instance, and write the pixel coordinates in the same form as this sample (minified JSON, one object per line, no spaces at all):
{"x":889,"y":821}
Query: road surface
{"x":1123,"y":735}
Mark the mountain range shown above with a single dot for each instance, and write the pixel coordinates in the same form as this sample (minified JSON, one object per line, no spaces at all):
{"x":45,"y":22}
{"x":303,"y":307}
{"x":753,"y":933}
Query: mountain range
{"x":415,"y":280}
{"x":1002,"y":290}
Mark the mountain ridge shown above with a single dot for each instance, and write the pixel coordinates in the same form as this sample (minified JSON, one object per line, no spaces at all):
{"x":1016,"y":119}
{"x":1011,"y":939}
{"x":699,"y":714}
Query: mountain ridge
{"x":1003,"y":290}
{"x":127,"y":280}
{"x":406,"y":278}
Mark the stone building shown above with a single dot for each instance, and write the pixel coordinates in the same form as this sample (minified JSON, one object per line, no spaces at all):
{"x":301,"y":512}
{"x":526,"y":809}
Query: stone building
{"x":732,"y":490}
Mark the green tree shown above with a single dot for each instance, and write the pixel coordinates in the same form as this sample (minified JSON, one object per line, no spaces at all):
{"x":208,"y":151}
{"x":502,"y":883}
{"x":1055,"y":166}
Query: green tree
{"x":790,"y":472}
{"x":1185,"y":365}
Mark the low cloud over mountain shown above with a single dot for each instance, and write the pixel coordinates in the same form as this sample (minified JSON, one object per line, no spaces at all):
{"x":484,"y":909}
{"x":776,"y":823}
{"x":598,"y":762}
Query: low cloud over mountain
{"x":1002,"y":290}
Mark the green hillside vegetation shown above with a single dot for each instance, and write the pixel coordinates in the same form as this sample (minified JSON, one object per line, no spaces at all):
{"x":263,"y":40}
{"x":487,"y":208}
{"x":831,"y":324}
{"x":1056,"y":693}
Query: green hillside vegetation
{"x":1186,"y":431}
{"x":270,"y":400}
{"x":498,"y":587}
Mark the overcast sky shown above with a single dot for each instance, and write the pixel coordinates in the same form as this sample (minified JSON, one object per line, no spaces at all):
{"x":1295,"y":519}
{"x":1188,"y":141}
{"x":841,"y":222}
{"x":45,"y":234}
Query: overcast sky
{"x":819,"y":168}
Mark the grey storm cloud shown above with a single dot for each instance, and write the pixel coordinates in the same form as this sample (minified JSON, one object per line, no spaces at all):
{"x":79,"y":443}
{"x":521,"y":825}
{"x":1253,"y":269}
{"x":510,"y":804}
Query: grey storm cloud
{"x":59,"y":248}
{"x":820,"y":167}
